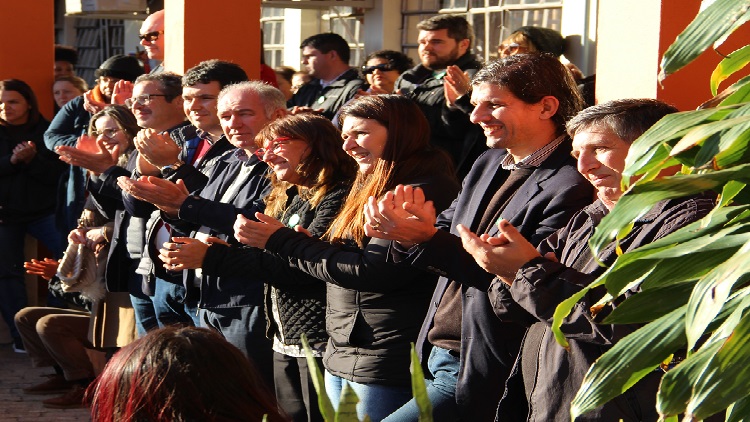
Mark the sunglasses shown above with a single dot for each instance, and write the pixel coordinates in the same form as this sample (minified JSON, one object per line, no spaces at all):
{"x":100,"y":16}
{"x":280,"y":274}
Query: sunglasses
{"x":150,"y":36}
{"x":143,"y":100}
{"x":366,"y":70}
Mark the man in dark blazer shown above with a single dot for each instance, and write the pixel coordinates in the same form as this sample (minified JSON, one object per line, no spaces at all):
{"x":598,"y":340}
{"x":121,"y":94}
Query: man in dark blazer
{"x":527,"y":177}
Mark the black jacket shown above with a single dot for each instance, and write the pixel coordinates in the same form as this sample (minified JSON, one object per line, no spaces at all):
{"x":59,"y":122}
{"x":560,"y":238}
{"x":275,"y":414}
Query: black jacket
{"x":27,"y":191}
{"x":300,"y":298}
{"x":540,"y":285}
{"x":449,"y":129}
{"x":374,"y":308}
{"x":330,"y":98}
{"x":542,"y":204}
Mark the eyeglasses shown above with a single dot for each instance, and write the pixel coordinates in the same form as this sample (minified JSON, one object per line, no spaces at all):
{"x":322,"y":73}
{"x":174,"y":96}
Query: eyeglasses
{"x":107,"y":133}
{"x":366,"y":70}
{"x":150,"y":36}
{"x":508,"y":49}
{"x":143,"y":99}
{"x":274,"y":146}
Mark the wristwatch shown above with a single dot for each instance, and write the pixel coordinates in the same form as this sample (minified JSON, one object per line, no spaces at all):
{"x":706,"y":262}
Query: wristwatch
{"x":171,"y":168}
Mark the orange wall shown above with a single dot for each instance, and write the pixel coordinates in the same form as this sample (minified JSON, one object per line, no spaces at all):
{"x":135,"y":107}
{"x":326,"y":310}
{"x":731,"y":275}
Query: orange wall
{"x":689,"y":87}
{"x":27,"y":50}
{"x":228,"y":30}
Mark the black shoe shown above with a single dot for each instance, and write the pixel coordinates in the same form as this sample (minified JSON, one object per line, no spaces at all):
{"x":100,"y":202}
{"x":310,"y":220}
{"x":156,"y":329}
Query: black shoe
{"x":18,"y":345}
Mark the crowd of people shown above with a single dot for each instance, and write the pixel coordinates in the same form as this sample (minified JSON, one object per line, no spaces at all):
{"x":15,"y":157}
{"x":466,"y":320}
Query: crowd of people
{"x":446,"y":204}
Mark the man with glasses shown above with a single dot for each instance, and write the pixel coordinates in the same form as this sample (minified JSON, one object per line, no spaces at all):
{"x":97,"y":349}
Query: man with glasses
{"x":444,"y":50}
{"x":189,"y":153}
{"x":152,"y":39}
{"x":326,"y":58}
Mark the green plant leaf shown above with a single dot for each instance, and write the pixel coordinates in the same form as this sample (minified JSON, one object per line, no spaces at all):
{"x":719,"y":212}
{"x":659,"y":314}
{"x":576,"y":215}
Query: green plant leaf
{"x":739,"y":410}
{"x":630,"y":359}
{"x":324,"y":403}
{"x":712,"y":291}
{"x":737,"y":93}
{"x":347,"y":411}
{"x":735,"y":61}
{"x":702,"y":132}
{"x":718,"y":20}
{"x":641,"y":197}
{"x":649,"y":305}
{"x":419,"y":389}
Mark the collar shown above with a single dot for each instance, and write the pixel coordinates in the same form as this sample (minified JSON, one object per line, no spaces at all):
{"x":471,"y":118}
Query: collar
{"x":535,"y":159}
{"x":328,"y":82}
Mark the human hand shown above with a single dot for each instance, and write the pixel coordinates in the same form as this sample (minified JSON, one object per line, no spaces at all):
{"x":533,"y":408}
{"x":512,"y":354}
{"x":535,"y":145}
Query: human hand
{"x":23,"y":152}
{"x":95,"y":161}
{"x":159,"y":149}
{"x":403,"y":215}
{"x":183,"y":253}
{"x":122,"y":91}
{"x":456,"y":84}
{"x":502,"y":255}
{"x":300,"y":229}
{"x":304,"y":109}
{"x":255,"y":233}
{"x":45,"y":269}
{"x":90,"y":104}
{"x":166,"y":195}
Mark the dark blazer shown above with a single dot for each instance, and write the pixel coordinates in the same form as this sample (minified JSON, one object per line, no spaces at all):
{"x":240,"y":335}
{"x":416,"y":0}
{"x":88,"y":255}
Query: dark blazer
{"x":544,"y":203}
{"x":332,"y":97}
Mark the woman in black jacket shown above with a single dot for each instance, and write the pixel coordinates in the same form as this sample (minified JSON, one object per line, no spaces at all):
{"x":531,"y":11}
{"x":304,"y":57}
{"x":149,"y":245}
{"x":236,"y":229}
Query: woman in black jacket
{"x":311,"y":176}
{"x":374,"y":309}
{"x":29,"y":173}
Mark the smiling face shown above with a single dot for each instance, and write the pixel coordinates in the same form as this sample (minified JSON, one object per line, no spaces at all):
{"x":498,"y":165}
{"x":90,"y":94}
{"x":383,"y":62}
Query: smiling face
{"x":14,"y":109}
{"x":601,"y":160}
{"x":364,"y":140}
{"x":154,"y":49}
{"x":242,"y":116}
{"x":383,"y":79}
{"x":437,"y":50}
{"x":200,"y":106}
{"x":507,"y":121}
{"x":111,"y":134}
{"x":156,"y":113}
{"x":64,"y":91}
{"x":283,"y":155}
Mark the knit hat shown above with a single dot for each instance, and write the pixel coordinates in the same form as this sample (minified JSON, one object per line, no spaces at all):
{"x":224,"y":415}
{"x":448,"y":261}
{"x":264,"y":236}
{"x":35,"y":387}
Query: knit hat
{"x":120,"y":66}
{"x":546,"y":40}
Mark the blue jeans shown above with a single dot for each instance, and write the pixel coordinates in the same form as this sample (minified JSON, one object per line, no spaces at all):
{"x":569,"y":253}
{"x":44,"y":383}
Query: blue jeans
{"x":441,"y":390}
{"x":245,"y":328}
{"x":12,"y":287}
{"x":375,"y":400}
{"x":145,"y":316}
{"x":169,"y":304}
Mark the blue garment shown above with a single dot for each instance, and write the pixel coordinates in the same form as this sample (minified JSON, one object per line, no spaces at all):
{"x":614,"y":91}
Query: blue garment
{"x":170,"y":306}
{"x":375,"y":400}
{"x":12,"y":287}
{"x":145,"y":317}
{"x":441,"y":390}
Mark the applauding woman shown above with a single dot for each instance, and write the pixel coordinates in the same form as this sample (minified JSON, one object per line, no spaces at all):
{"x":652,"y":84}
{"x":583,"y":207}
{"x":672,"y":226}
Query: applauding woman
{"x":375,"y":309}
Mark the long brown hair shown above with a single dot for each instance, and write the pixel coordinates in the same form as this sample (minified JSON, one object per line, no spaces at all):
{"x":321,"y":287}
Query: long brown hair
{"x":27,"y":93}
{"x":325,"y":166}
{"x":407,"y":156}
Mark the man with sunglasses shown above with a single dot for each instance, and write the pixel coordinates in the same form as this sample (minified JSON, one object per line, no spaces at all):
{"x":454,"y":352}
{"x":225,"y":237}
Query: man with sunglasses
{"x":444,"y":43}
{"x":326,"y":58}
{"x":152,"y":39}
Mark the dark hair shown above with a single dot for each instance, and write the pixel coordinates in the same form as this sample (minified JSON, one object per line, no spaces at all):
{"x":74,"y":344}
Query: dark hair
{"x":627,"y":119}
{"x":170,"y":84}
{"x":66,"y":53}
{"x":324,"y":167}
{"x":407,"y":155}
{"x":399,"y":60}
{"x":531,"y":77}
{"x":285,"y":72}
{"x":326,"y":42}
{"x":122,"y":115}
{"x":458,"y":27}
{"x":76,"y":81}
{"x":543,"y":40}
{"x":180,"y":374}
{"x":27,"y":93}
{"x":223,"y":72}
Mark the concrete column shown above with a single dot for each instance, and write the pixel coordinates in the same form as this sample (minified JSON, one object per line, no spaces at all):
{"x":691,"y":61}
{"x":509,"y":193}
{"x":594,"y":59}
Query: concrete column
{"x":226,"y":30}
{"x":27,"y":51}
{"x":382,"y":28}
{"x":633,"y":36}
